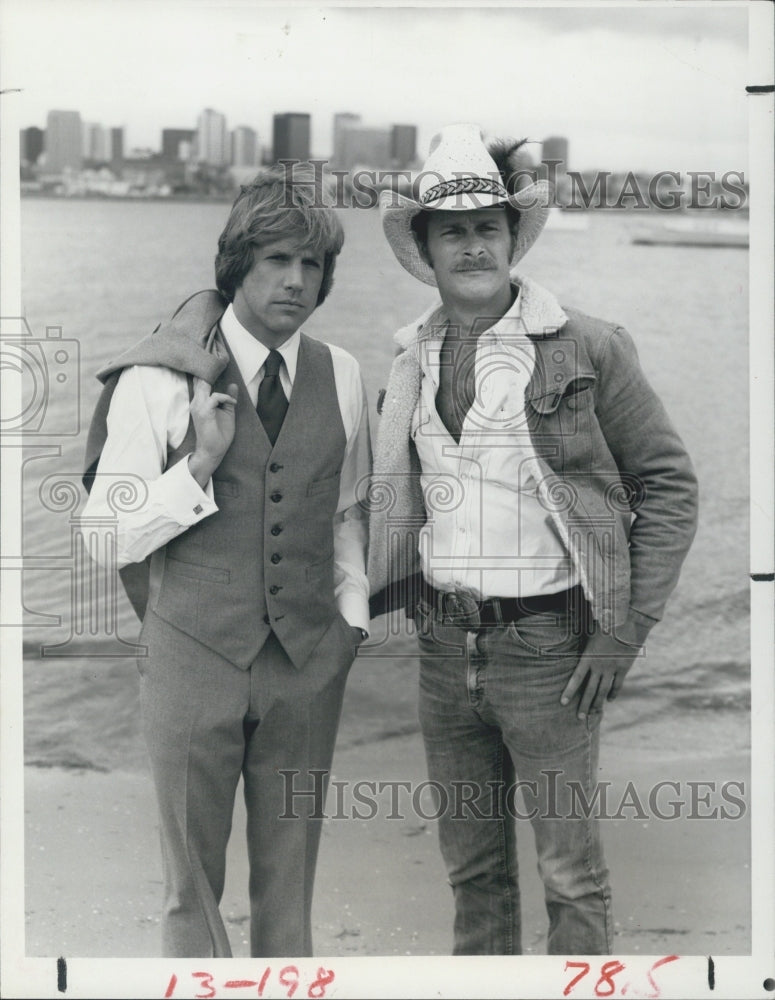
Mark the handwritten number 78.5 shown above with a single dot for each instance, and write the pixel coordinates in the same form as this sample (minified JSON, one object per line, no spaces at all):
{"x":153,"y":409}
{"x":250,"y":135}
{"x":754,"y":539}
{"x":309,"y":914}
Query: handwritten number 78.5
{"x":605,"y":986}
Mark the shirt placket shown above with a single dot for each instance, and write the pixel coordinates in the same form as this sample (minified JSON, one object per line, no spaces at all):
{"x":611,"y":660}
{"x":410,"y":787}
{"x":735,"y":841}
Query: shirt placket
{"x":461,"y":519}
{"x":473,"y":471}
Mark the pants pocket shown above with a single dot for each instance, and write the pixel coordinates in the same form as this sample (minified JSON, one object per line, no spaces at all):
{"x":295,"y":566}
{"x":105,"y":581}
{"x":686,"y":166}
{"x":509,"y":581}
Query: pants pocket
{"x":555,"y":634}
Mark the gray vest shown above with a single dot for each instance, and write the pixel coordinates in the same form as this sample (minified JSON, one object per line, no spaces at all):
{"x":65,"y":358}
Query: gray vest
{"x":265,"y":561}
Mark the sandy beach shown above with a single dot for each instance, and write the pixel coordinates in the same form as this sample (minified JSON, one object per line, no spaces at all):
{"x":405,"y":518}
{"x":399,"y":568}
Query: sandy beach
{"x":681,"y":886}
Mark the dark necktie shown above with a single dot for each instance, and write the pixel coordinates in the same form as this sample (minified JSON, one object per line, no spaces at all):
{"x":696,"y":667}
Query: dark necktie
{"x":272,"y":404}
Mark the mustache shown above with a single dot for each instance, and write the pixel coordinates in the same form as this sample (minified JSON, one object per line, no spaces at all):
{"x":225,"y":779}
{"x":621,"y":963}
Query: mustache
{"x":479,"y":265}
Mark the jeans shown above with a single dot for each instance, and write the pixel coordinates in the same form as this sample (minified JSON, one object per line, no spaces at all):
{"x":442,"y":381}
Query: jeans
{"x":491,"y":720}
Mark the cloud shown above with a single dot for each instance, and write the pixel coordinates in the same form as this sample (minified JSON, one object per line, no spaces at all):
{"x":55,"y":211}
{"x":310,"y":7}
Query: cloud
{"x":726,"y":24}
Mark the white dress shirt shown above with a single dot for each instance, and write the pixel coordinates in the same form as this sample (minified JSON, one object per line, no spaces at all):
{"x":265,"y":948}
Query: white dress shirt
{"x":149,"y":415}
{"x":487,"y":531}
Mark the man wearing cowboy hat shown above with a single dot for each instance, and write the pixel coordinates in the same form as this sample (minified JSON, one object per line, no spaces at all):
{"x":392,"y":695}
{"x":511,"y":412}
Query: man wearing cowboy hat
{"x":531,"y":507}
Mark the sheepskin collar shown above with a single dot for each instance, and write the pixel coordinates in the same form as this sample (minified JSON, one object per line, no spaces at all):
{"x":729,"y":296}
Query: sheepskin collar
{"x":540,"y":312}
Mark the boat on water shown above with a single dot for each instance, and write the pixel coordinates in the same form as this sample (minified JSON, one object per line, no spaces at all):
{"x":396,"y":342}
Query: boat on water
{"x":685,"y":232}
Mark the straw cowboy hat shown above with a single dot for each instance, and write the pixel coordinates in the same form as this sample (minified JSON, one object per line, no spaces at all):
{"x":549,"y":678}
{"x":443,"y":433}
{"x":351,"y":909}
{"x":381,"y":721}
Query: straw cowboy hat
{"x":460,"y":174}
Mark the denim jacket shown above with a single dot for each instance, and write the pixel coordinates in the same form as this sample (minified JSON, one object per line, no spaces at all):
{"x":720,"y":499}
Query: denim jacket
{"x":622,"y":492}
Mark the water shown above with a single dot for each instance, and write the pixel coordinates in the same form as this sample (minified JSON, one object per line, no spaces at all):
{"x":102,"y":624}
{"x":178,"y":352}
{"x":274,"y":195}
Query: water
{"x":107,"y":272}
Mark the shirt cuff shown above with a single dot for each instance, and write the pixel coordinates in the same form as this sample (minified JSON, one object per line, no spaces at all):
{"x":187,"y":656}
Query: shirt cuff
{"x":639,"y":626}
{"x":355,"y":611}
{"x":182,"y":496}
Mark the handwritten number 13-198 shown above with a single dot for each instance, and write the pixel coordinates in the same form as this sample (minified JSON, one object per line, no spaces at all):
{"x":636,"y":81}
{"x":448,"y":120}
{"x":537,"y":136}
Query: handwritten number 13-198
{"x":287,"y":977}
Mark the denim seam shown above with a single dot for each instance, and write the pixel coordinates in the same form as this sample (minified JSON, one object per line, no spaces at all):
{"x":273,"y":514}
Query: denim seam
{"x":473,"y":691}
{"x":509,"y":950}
{"x":588,"y":840}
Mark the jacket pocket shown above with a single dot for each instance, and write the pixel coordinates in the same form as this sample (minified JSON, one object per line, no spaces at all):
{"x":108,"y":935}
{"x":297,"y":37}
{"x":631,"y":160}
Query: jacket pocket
{"x":571,"y":394}
{"x":225,"y":488}
{"x":322,"y":571}
{"x":193,"y":571}
{"x":323,"y":485}
{"x":578,"y":396}
{"x":564,"y":422}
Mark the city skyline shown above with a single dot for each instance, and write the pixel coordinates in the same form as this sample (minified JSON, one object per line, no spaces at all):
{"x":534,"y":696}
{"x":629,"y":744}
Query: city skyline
{"x":214,"y":161}
{"x":213,"y":142}
{"x":399,"y":139}
{"x":656,"y":88}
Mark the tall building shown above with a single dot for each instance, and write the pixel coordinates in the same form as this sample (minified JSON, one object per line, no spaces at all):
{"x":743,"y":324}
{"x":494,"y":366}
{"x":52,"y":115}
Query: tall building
{"x":365,"y":147}
{"x":212,"y":138}
{"x":96,"y":142}
{"x":31,"y":145}
{"x":556,"y":148}
{"x":244,"y":147}
{"x":403,"y":145}
{"x":63,"y":143}
{"x":175,"y":142}
{"x":342,"y":121}
{"x":290,"y":136}
{"x":116,"y":145}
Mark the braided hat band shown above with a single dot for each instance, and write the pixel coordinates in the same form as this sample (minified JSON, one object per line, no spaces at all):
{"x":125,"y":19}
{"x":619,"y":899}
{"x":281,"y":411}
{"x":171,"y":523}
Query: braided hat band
{"x":464,"y":185}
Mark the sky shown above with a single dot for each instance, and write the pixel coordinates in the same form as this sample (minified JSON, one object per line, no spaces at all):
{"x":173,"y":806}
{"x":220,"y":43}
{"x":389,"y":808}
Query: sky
{"x":648,"y":87}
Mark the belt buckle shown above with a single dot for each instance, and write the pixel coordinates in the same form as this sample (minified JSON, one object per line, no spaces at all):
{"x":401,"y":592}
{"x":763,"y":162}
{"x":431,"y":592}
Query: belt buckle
{"x":461,"y":608}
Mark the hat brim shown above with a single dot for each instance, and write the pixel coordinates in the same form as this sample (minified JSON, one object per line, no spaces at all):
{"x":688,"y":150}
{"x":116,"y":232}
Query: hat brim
{"x":397,"y":211}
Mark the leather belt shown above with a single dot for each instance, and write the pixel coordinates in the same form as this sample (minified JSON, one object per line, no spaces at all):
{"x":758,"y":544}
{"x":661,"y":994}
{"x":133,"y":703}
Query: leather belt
{"x":462,"y":608}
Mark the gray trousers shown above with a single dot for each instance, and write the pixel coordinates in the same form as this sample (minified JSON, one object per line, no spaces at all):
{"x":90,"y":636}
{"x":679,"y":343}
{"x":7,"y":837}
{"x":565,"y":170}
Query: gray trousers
{"x":206,"y":722}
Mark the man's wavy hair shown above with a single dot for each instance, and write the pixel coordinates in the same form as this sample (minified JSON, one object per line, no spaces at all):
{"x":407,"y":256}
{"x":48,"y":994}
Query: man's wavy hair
{"x":278,"y":204}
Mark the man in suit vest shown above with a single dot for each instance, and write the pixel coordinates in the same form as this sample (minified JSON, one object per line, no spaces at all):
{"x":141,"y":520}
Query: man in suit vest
{"x":542,"y":505}
{"x":249,"y":439}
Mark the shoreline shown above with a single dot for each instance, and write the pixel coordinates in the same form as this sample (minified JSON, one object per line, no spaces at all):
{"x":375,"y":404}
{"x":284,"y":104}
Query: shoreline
{"x":680,"y":885}
{"x":653,"y":210}
{"x":381,"y":888}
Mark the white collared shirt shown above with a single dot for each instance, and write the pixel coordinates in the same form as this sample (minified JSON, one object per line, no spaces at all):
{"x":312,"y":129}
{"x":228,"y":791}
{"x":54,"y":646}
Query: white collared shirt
{"x":149,"y":416}
{"x":487,"y":531}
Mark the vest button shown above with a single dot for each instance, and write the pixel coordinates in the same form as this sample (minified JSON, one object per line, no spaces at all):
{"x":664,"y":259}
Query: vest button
{"x":276,"y":529}
{"x":266,"y":619}
{"x":274,"y":589}
{"x":275,"y":558}
{"x":275,"y":467}
{"x":276,"y":497}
